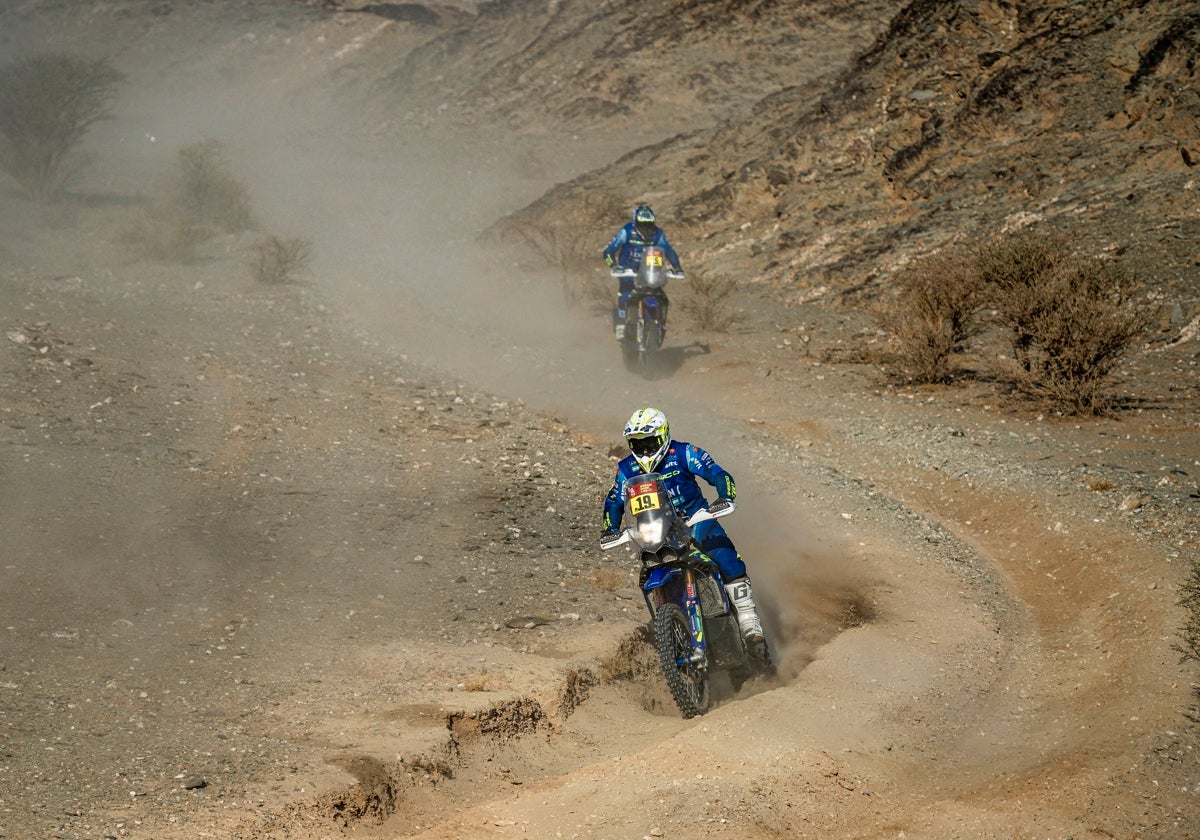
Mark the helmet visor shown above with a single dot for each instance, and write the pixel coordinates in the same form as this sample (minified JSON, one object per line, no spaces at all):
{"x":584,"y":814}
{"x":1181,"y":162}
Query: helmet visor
{"x":644,"y":447}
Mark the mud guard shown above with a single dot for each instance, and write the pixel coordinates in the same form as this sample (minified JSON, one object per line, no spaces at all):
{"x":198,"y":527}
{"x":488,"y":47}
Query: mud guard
{"x":659,"y":577}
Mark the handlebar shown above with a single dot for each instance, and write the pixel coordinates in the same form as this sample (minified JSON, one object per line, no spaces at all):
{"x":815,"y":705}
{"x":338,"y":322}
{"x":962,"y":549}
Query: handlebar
{"x":723,"y":508}
{"x":622,"y":273}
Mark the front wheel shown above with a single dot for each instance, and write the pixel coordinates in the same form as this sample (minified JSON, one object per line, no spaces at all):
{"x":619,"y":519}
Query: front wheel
{"x":651,"y":345}
{"x":686,"y":677}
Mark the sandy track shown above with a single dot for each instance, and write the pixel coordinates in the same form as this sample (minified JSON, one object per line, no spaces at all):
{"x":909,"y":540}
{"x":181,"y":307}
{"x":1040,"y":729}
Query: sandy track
{"x":305,"y":545}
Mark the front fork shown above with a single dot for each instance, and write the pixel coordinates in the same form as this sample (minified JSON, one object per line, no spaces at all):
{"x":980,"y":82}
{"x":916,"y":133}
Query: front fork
{"x":691,"y":607}
{"x":690,"y":601}
{"x":645,"y":322}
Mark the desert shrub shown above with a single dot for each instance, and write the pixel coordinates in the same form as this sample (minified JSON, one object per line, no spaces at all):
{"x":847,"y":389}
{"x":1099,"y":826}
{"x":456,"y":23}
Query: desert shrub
{"x":202,"y":200}
{"x":932,"y":315}
{"x":1016,"y":273}
{"x":47,"y":105}
{"x":562,"y":241}
{"x":1098,"y":484}
{"x":1080,"y":339}
{"x":707,"y":301}
{"x":1071,"y":319}
{"x":278,"y":259}
{"x":207,"y":193}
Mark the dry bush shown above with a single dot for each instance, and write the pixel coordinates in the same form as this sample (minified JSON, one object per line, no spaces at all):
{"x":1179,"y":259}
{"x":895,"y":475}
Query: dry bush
{"x":478,"y":682}
{"x":1079,"y":341}
{"x":933,"y":314}
{"x":203,"y":200}
{"x":207,"y":193}
{"x":1071,"y":319}
{"x":1097,"y":484}
{"x":708,"y":302}
{"x":563,"y":243}
{"x":278,"y":259}
{"x":47,"y":104}
{"x":1015,"y":272}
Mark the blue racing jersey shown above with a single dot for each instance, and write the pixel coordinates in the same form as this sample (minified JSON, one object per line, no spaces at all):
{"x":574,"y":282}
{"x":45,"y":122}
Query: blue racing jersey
{"x":679,"y":468}
{"x":625,"y":250}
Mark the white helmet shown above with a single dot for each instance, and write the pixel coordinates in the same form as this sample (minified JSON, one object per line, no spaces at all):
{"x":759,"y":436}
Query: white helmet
{"x":648,"y":436}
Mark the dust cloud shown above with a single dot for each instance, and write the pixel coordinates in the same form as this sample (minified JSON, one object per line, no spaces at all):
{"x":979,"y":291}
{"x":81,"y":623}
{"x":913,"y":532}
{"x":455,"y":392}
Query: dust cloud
{"x":806,"y":591}
{"x":395,"y":217}
{"x":395,"y":221}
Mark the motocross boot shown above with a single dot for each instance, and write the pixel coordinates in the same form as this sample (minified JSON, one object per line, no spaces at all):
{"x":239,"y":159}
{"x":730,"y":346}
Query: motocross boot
{"x":619,"y":323}
{"x":742,"y":597}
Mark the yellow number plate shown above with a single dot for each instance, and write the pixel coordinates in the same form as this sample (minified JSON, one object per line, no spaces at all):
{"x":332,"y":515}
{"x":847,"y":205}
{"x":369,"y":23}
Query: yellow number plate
{"x":644,"y":502}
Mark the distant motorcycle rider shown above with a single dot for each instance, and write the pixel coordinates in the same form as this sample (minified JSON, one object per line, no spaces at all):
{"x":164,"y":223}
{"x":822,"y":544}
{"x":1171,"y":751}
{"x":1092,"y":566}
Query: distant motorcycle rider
{"x":653,"y":451}
{"x":625,"y":251}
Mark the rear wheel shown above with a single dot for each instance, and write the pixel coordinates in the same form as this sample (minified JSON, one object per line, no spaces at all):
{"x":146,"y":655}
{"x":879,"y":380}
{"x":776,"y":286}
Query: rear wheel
{"x":687,"y":678}
{"x":760,"y":655}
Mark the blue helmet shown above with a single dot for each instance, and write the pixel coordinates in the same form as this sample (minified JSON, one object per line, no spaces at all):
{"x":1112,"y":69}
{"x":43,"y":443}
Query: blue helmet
{"x":643,"y":222}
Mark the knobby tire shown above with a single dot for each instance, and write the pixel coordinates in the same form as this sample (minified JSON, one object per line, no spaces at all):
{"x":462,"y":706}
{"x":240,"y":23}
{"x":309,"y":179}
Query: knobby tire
{"x":673,"y":641}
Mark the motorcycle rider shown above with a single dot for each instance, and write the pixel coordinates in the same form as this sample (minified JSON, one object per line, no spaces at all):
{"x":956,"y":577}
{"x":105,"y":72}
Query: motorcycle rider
{"x":625,"y":251}
{"x":653,"y":451}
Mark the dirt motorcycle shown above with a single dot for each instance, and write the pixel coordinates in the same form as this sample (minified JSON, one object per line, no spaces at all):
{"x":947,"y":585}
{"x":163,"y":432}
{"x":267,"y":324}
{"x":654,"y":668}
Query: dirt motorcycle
{"x":646,"y":309}
{"x":693,"y":622}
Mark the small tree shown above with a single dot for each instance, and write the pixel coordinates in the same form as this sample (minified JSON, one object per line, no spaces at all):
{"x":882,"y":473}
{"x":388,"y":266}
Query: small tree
{"x":47,"y":104}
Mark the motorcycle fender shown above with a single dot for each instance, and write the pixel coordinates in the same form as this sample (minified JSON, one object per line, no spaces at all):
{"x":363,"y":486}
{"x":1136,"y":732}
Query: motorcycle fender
{"x":659,"y":577}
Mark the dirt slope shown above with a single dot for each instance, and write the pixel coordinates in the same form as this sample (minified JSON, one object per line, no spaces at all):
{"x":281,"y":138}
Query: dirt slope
{"x":318,"y":560}
{"x":963,"y":119}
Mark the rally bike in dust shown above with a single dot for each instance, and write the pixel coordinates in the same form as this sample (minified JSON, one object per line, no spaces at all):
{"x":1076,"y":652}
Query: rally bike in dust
{"x":646,"y":309}
{"x":692,"y":620}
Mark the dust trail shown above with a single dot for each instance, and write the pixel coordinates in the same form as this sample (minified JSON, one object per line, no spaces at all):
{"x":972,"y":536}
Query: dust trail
{"x":395,"y":221}
{"x":806,"y":589}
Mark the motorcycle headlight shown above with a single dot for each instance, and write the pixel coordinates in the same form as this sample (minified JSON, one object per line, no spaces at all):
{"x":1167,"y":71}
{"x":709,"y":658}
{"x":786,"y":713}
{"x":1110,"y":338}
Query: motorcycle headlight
{"x":650,"y":533}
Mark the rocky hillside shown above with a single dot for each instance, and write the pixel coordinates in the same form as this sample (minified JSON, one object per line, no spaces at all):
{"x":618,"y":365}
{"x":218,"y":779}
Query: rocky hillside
{"x":572,"y":65}
{"x":963,"y":118}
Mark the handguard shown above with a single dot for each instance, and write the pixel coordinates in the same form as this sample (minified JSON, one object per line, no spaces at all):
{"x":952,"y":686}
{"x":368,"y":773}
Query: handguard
{"x":608,"y":541}
{"x":719,"y":508}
